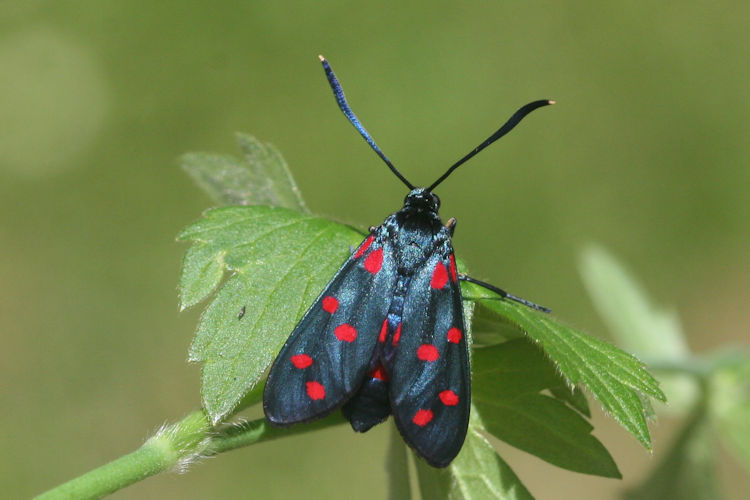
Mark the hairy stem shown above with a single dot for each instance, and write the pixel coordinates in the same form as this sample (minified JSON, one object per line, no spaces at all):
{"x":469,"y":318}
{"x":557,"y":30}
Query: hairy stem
{"x":172,"y":447}
{"x":161,"y":452}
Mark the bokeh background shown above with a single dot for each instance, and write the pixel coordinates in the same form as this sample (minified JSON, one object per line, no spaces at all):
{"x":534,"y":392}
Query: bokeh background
{"x":646,"y":153}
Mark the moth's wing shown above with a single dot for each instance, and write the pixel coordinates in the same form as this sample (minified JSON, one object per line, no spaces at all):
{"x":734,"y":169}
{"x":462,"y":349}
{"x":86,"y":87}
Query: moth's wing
{"x":326,"y":357}
{"x":431,"y":380}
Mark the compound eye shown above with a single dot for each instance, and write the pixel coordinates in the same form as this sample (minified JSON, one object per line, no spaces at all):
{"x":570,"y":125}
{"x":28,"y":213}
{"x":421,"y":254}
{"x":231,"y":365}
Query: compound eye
{"x":436,"y":201}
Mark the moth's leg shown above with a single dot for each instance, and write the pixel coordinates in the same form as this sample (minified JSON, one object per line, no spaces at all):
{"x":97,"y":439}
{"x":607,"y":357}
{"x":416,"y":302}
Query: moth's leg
{"x":451,"y":225}
{"x":503,"y":293}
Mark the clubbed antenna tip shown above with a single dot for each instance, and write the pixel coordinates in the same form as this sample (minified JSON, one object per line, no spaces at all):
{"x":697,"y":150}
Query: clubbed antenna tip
{"x":507,"y":127}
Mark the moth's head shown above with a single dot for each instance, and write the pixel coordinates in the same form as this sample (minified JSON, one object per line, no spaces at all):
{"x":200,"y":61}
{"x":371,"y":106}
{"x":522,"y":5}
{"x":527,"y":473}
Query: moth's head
{"x":421,"y":198}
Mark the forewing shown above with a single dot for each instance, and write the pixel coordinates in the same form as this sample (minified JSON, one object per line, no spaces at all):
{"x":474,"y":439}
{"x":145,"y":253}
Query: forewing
{"x":431,"y":380}
{"x":326,"y":357}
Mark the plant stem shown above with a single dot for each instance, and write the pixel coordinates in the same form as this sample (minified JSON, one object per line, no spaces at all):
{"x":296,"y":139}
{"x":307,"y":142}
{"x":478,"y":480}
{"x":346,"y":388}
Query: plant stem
{"x":257,"y":431}
{"x":178,"y":444}
{"x":161,"y":452}
{"x":700,"y":366}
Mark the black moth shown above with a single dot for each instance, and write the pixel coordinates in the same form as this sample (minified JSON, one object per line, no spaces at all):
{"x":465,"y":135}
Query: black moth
{"x":386,"y":336}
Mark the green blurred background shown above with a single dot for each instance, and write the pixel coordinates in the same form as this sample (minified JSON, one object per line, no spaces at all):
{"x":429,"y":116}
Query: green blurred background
{"x":645,"y":153}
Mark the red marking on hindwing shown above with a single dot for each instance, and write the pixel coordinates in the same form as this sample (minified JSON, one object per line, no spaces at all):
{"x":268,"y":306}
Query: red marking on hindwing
{"x":454,"y":335}
{"x":345,"y":332}
{"x":363,"y":248}
{"x":380,"y":374}
{"x":301,"y":361}
{"x":428,"y":352}
{"x":422,"y":417}
{"x":454,"y":276}
{"x":374,"y":261}
{"x":330,"y":304}
{"x":449,"y":398}
{"x":397,"y":335}
{"x":383,"y":331}
{"x":439,"y":276}
{"x":316,"y":390}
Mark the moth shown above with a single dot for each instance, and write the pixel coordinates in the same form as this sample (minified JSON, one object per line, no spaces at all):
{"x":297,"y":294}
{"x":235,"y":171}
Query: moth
{"x":387,"y":334}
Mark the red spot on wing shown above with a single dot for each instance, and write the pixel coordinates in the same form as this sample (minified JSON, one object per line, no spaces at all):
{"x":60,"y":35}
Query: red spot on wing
{"x":383,"y":331}
{"x":316,"y":390}
{"x":454,"y":276}
{"x":345,"y":332}
{"x":380,"y":374}
{"x":397,"y":335}
{"x":330,"y":304}
{"x":422,"y":417}
{"x":454,"y":335}
{"x":363,"y":248}
{"x":428,"y":352}
{"x":449,"y":398}
{"x":374,"y":261}
{"x":301,"y":361}
{"x":439,"y":276}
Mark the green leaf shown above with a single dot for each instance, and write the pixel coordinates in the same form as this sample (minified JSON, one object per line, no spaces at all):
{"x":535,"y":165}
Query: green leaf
{"x":638,"y":326}
{"x":476,"y":473}
{"x":202,"y":271}
{"x":262,"y":177}
{"x":513,"y":368}
{"x":688,"y":471}
{"x":489,"y":328}
{"x":575,"y":398}
{"x":507,"y":381}
{"x":280,"y":260}
{"x":627,"y":310}
{"x":614,"y":377}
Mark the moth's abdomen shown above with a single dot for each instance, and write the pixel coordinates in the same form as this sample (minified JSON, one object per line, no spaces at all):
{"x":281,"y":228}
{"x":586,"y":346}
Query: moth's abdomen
{"x":370,"y":406}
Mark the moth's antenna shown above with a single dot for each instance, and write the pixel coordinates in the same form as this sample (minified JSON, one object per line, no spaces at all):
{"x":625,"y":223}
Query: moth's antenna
{"x":512,"y":122}
{"x":338,"y":92}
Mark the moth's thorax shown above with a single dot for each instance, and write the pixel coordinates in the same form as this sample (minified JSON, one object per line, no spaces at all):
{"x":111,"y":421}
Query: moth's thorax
{"x":417,"y":230}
